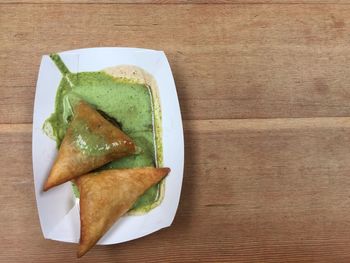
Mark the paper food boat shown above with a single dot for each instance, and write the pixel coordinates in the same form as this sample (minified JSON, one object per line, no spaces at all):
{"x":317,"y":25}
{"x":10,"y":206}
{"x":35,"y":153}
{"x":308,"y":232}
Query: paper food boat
{"x":58,"y":208}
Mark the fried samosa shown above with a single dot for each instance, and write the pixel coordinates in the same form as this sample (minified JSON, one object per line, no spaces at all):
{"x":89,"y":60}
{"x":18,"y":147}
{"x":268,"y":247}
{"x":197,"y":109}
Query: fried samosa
{"x":106,"y":196}
{"x":90,"y":142}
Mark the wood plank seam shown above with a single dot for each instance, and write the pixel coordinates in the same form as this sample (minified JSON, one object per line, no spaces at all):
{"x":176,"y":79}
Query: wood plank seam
{"x":232,"y":124}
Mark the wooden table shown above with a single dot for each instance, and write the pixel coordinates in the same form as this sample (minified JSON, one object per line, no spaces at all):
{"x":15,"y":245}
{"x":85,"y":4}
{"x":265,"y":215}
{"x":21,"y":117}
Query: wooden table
{"x":264,"y":88}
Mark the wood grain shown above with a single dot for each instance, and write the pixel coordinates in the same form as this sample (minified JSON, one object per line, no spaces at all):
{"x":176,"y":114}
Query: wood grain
{"x":254,"y":191}
{"x":172,"y":2}
{"x":229,"y":61}
{"x":263,"y":87}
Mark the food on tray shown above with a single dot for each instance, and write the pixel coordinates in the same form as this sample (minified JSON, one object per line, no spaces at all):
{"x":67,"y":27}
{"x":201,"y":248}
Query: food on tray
{"x":105,"y":196}
{"x":126,"y":96}
{"x":90,"y":142}
{"x":107,"y":128}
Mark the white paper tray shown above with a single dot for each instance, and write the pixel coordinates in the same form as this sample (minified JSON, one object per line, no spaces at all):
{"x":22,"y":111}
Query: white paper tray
{"x":58,"y":209}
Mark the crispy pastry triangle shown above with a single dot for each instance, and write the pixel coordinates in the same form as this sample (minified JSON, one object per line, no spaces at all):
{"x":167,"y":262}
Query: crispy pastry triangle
{"x":107,"y":195}
{"x":90,"y":142}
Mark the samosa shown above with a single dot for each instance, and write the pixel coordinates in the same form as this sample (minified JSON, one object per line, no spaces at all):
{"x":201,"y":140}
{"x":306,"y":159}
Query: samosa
{"x":90,"y":142}
{"x":106,"y":196}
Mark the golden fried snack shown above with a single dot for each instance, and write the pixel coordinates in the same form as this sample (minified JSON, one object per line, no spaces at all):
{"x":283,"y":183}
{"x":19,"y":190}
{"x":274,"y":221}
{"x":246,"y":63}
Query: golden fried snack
{"x":90,"y":142}
{"x":106,"y":196}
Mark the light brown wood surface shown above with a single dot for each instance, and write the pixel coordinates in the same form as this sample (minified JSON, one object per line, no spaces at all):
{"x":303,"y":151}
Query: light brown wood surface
{"x":174,"y":2}
{"x":229,"y":61}
{"x":264,"y":93}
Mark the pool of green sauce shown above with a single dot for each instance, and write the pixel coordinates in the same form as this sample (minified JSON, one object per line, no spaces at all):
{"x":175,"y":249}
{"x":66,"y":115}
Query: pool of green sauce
{"x":128,"y":103}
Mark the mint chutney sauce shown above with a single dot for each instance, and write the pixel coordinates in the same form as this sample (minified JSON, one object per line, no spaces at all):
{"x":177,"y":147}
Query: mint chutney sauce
{"x":130,"y":105}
